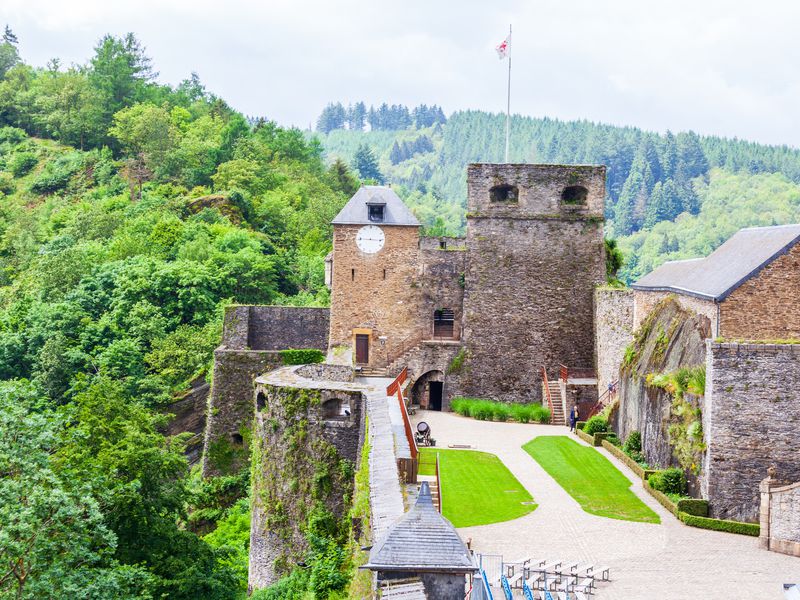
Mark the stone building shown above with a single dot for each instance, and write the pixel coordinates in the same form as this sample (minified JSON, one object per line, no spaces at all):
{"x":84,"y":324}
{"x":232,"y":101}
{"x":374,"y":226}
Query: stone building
{"x":748,"y":287}
{"x":515,"y":295}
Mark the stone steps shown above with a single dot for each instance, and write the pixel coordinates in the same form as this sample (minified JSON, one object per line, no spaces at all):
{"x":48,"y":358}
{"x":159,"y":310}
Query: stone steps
{"x":558,"y":417}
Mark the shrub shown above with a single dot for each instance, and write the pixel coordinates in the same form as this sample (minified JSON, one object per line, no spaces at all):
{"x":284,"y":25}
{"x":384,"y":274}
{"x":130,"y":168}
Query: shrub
{"x":302,"y":356}
{"x":521,"y":413}
{"x":720,"y":524}
{"x":500,"y":411}
{"x":7,"y":183}
{"x":21,"y":163}
{"x":56,"y":174}
{"x":669,"y":481}
{"x":595,"y":424}
{"x":461,"y":406}
{"x":483,"y":410}
{"x":633,"y":444}
{"x":693,"y":506}
{"x":12,"y":135}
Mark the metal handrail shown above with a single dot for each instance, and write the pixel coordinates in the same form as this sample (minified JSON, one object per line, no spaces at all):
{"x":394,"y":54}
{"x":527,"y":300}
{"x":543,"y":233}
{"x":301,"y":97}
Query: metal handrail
{"x":547,"y":392}
{"x":396,"y":388}
{"x":604,"y":397}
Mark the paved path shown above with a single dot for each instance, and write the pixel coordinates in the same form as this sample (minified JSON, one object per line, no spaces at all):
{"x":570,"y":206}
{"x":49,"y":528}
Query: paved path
{"x":648,"y":561}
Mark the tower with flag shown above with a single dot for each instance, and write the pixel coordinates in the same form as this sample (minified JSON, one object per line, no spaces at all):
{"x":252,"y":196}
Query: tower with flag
{"x":503,"y":52}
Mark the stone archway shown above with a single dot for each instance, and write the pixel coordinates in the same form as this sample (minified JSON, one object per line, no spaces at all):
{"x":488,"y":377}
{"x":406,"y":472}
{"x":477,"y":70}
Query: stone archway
{"x":428,"y":390}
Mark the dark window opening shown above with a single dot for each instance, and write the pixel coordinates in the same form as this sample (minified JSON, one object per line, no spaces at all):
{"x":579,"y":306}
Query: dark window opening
{"x":442,"y":245}
{"x":335,"y":409}
{"x":352,"y":274}
{"x":384,"y":273}
{"x":443,"y":323}
{"x":237,"y":439}
{"x":574,"y":194}
{"x":376,"y":212}
{"x":504,"y":193}
{"x":261,"y":401}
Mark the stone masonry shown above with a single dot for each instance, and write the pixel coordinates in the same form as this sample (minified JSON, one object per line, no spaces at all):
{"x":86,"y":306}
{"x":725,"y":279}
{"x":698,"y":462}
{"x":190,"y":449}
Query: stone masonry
{"x":613,"y":322}
{"x":750,"y":420}
{"x":644,"y":301}
{"x":766,"y":306}
{"x":252,"y":338}
{"x":532,"y":265}
{"x":780,"y":516}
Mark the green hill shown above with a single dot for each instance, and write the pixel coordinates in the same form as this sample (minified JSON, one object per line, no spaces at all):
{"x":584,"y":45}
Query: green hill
{"x":653,"y":179}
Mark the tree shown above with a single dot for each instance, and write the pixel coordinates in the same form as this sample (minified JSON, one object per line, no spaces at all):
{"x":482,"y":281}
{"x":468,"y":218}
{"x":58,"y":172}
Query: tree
{"x":9,"y":37}
{"x":333,"y":117}
{"x":119,"y":71}
{"x":9,"y":55}
{"x":614,"y":259}
{"x":341,"y":179}
{"x":147,"y":131}
{"x":356,"y":116}
{"x":366,"y":165}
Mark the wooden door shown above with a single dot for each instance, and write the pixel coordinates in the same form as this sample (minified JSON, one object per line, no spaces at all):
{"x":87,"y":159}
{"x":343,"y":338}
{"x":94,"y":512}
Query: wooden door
{"x":362,"y":349}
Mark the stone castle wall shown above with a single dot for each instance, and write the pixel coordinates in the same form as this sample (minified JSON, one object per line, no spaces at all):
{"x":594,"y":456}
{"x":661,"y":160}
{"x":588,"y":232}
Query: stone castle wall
{"x":189,"y":415}
{"x":441,"y":285}
{"x":780,"y":517}
{"x":303,"y":459}
{"x":751,"y":419}
{"x":532,"y":265}
{"x":376,"y":292}
{"x":765,"y":307}
{"x":613,"y":322}
{"x":275,"y":327}
{"x":251,"y":339}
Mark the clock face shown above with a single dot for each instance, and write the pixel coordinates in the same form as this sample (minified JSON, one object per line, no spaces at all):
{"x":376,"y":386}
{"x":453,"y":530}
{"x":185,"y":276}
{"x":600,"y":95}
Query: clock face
{"x":370,"y":239}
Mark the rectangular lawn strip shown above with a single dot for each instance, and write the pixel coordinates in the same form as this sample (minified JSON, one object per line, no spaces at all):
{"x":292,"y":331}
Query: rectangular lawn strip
{"x":589,"y":478}
{"x":477,"y":487}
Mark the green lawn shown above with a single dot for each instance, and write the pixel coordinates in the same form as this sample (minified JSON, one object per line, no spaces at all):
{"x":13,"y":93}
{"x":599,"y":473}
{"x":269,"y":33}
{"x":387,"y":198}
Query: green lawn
{"x":478,"y":489}
{"x":590,"y":478}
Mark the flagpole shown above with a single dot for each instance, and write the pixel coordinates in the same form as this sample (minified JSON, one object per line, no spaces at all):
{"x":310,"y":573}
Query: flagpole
{"x":508,"y":99}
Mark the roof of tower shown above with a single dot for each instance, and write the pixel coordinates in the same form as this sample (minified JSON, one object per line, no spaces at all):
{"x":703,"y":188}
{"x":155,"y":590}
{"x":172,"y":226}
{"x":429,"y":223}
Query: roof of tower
{"x":356,"y":211}
{"x":421,"y":540}
{"x":716,"y":276}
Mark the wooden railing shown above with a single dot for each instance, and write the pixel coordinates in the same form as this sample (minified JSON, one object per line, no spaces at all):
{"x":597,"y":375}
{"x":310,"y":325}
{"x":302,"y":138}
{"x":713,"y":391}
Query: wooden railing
{"x":438,"y":482}
{"x":565,"y":372}
{"x":396,"y":388}
{"x":547,"y":393}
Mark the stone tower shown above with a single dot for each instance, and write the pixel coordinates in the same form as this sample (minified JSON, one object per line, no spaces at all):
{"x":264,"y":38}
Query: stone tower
{"x":375,"y":309}
{"x":535,"y":254}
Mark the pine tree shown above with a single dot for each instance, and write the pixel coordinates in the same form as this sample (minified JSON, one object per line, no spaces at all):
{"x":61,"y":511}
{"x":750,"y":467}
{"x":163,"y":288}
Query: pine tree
{"x":356,"y":116}
{"x":365,"y":163}
{"x":395,"y":154}
{"x":9,"y":37}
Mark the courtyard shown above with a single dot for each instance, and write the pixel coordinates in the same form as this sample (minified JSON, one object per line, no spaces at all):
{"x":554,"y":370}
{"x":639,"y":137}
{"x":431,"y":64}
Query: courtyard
{"x":648,"y":560}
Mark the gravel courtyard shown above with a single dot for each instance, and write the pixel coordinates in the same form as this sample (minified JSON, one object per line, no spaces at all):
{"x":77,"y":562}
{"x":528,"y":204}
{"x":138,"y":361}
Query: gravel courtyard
{"x":648,"y":561}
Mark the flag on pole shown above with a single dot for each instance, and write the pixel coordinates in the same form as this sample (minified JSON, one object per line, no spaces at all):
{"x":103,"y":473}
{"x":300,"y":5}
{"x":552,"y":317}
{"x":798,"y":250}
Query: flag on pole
{"x":502,"y":49}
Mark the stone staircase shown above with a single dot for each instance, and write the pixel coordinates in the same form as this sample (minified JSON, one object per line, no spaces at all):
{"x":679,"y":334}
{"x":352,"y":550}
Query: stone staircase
{"x":371,"y":372}
{"x":558,"y":417}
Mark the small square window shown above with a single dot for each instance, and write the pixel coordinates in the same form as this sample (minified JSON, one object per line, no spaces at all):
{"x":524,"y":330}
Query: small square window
{"x":376,"y":212}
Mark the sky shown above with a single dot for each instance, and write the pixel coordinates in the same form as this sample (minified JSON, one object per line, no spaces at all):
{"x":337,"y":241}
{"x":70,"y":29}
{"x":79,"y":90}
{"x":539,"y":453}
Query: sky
{"x":728,"y":68}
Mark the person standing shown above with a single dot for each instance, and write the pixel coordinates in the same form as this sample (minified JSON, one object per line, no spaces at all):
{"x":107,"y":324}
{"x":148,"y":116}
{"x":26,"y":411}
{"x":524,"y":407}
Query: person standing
{"x":573,"y":418}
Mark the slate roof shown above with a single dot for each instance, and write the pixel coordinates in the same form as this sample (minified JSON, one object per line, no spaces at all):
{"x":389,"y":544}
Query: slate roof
{"x":421,"y":540}
{"x":716,"y":276}
{"x":355,"y":211}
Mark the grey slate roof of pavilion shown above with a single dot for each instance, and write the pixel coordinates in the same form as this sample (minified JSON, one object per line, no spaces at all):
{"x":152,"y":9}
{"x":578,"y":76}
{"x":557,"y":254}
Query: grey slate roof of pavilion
{"x":421,"y":540}
{"x":729,"y":266}
{"x":355,"y":211}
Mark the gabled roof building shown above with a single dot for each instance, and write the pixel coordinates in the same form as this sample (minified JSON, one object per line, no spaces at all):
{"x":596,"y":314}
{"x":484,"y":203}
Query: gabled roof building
{"x":748,"y":287}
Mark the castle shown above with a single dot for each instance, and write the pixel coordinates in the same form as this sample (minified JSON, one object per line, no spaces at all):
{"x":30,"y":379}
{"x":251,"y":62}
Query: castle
{"x":474,"y":316}
{"x":508,"y":313}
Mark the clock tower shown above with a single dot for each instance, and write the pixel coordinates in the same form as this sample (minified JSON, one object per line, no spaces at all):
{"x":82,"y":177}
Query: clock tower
{"x":375,"y":266}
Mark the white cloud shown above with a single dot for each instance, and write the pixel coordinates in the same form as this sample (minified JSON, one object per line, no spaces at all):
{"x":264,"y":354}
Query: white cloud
{"x":727,"y":68}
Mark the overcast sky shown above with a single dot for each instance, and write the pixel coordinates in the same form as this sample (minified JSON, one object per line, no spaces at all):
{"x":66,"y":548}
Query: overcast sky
{"x":720,"y":67}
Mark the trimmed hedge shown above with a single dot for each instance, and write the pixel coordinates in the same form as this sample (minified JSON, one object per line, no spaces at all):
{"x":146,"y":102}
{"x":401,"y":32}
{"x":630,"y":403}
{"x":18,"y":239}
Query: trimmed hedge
{"x":302,"y":356}
{"x":696,"y":507}
{"x":589,"y":439}
{"x":595,"y":424}
{"x":632,"y":464}
{"x":669,"y":481}
{"x":720,"y":525}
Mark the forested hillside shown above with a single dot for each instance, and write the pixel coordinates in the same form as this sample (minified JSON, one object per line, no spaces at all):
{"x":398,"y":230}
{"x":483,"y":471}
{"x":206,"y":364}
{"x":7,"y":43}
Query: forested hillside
{"x":130,"y":213}
{"x":652,"y":178}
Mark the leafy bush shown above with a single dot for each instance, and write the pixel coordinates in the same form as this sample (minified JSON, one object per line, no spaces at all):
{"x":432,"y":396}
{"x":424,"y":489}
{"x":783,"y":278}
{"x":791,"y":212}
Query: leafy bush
{"x":693,"y":506}
{"x":7,"y":183}
{"x":12,"y":135}
{"x":21,"y":163}
{"x":595,"y":424}
{"x":488,"y":410}
{"x":669,"y":481}
{"x":302,"y":356}
{"x":633,"y":443}
{"x":720,"y":525}
{"x":56,"y":174}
